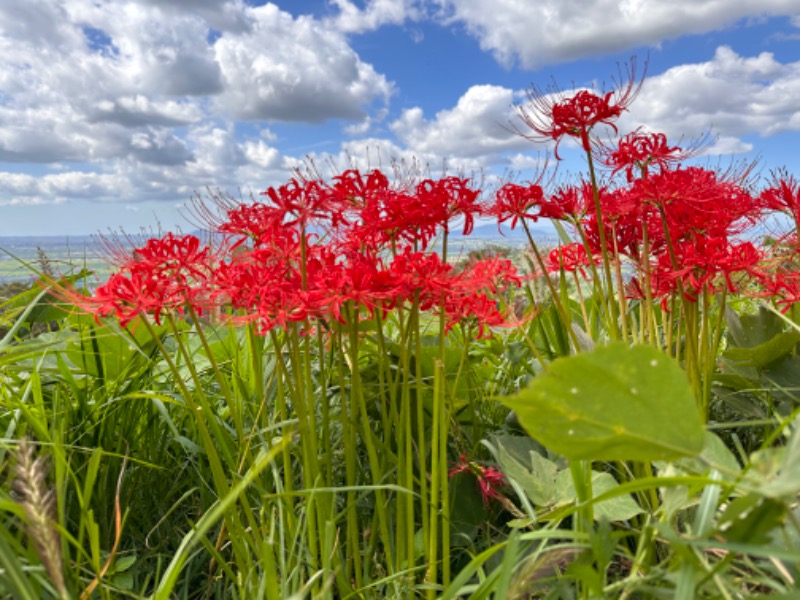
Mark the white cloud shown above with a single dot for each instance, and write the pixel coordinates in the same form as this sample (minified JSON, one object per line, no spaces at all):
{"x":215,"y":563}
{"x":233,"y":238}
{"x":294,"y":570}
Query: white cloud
{"x":550,"y":31}
{"x":136,"y":100}
{"x":22,"y":189}
{"x":730,"y":95}
{"x":476,"y":126}
{"x":377,"y":13}
{"x":289,"y":69}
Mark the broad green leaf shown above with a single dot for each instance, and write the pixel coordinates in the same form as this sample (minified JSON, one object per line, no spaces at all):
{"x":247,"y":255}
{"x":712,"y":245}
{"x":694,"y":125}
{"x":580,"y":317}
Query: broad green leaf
{"x":467,"y":511}
{"x":535,"y":474}
{"x":751,"y":330}
{"x":614,"y":403}
{"x":762,"y":355}
{"x":751,"y":519}
{"x":618,"y":508}
{"x":786,"y":485}
{"x":715,"y":455}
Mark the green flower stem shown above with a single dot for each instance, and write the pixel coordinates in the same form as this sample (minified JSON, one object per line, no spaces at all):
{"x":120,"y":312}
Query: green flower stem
{"x":325,"y":408}
{"x":350,"y":450}
{"x":613,"y":324}
{"x":294,"y":384}
{"x":623,"y":303}
{"x":358,"y":401}
{"x":648,"y":316}
{"x":233,"y":406}
{"x":690,"y":317}
{"x":562,"y":312}
{"x":283,"y":417}
{"x":421,"y":434}
{"x":586,"y":324}
{"x":200,"y":414}
{"x":712,"y":351}
{"x":406,"y":524}
{"x":597,"y":284}
{"x":583,"y":522}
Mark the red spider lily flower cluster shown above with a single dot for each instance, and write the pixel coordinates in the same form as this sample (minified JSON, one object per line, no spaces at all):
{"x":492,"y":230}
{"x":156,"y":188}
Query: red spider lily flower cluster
{"x":681,"y":227}
{"x":490,"y":480}
{"x":169,"y":273}
{"x":551,"y":115}
{"x":313,"y":250}
{"x":780,"y":277}
{"x":783,"y":196}
{"x":522,"y":203}
{"x":638,"y":151}
{"x":570,"y":258}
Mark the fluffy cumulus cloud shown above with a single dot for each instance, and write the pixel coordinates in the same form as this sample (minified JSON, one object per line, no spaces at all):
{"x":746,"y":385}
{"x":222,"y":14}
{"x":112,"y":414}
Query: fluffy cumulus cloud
{"x":294,"y":69}
{"x":352,"y":19}
{"x":122,"y":100}
{"x":730,"y":96}
{"x":550,"y":31}
{"x":478,"y":126}
{"x":126,"y":101}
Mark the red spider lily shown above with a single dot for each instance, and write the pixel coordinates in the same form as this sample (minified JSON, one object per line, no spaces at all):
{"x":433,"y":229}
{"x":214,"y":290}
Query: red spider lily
{"x":494,"y":275}
{"x":476,"y":310}
{"x":694,"y":202}
{"x":622,"y":222}
{"x":639,"y":150}
{"x":783,"y":196}
{"x":360,"y":281}
{"x":250,"y":221}
{"x":422,"y":277}
{"x":303,"y":203}
{"x":351,"y":187}
{"x":168,"y":273}
{"x":269,"y":292}
{"x":490,"y":480}
{"x":570,"y":258}
{"x":379,"y":215}
{"x":450,"y":197}
{"x":569,"y":202}
{"x":704,"y":263}
{"x":126,"y":296}
{"x":517,"y":202}
{"x":779,"y":272}
{"x":553,"y":114}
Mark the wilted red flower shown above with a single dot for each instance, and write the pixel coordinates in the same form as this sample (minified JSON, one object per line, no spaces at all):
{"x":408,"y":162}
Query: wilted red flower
{"x":490,"y":480}
{"x":553,"y":114}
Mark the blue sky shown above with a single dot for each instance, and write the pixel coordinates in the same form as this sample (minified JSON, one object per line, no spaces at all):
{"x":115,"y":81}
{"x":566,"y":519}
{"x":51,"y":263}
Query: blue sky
{"x":115,"y":113}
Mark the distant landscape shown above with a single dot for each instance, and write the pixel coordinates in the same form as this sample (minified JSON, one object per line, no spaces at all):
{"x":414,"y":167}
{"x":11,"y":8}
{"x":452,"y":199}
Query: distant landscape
{"x":21,"y":257}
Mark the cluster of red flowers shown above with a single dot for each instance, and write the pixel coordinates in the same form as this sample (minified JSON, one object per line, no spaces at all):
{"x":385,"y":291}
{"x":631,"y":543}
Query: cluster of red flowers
{"x":683,"y":228}
{"x":313,"y":250}
{"x":490,"y":481}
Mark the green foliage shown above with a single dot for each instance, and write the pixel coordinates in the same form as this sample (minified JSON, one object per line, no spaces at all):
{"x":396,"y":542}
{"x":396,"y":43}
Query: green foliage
{"x":614,"y":403}
{"x":180,"y":454}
